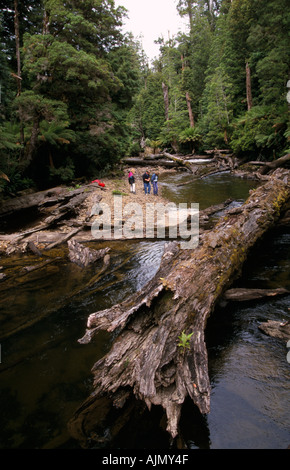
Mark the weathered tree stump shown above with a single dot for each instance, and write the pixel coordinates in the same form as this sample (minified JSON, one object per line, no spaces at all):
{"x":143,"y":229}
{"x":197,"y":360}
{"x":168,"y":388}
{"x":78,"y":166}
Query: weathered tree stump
{"x":145,"y":359}
{"x":82,"y":255}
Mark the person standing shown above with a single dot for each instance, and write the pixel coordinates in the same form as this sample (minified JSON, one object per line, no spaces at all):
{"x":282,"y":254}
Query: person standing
{"x":131,"y":179}
{"x":154,"y":181}
{"x":146,"y":181}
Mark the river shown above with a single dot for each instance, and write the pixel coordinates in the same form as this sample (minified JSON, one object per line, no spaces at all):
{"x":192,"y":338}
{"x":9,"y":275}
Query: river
{"x":45,"y":372}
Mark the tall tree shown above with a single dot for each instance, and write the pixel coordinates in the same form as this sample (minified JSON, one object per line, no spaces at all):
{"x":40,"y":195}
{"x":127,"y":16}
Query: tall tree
{"x":68,"y":62}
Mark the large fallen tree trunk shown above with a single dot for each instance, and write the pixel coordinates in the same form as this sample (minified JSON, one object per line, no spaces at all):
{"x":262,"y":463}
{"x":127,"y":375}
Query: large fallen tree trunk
{"x":152,"y":162}
{"x":159,"y":355}
{"x":37,"y":199}
{"x":61,"y":205}
{"x":165,"y":159}
{"x":268,"y":166}
{"x":179,"y":161}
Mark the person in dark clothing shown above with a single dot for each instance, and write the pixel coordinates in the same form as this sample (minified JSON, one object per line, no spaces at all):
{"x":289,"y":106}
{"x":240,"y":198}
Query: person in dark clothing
{"x":146,"y":181}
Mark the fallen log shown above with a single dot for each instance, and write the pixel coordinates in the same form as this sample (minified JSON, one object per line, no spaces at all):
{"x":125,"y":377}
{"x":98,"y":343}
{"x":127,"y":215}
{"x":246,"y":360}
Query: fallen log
{"x":69,"y":205}
{"x":179,"y":161}
{"x":65,"y":211}
{"x":29,"y":200}
{"x":145,"y":162}
{"x":147,"y":360}
{"x":275,"y":164}
{"x":170,"y":161}
{"x":243,"y":294}
{"x":34,"y":249}
{"x":29,"y":269}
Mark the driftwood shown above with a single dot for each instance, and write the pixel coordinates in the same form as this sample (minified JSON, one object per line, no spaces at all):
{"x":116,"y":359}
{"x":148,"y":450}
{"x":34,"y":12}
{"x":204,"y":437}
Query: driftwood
{"x":135,"y":161}
{"x":29,"y":269}
{"x":146,"y":360}
{"x":276,"y":329}
{"x":180,"y":162}
{"x":219,"y":162}
{"x":34,"y":249}
{"x":242,"y":294}
{"x":61,"y":205}
{"x":60,"y":199}
{"x":170,"y":161}
{"x":82,"y":255}
{"x":29,"y":201}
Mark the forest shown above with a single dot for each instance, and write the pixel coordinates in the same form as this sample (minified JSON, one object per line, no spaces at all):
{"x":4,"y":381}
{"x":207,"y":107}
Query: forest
{"x":77,"y":94}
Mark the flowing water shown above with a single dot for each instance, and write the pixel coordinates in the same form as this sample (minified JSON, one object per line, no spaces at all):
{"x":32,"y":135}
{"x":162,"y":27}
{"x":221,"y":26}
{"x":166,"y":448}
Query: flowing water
{"x":45,"y":373}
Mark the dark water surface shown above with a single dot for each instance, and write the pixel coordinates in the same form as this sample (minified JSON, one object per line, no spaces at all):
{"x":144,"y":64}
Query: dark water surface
{"x":45,"y":373}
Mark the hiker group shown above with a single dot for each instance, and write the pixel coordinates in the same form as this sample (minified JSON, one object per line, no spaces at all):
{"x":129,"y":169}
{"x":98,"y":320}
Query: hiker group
{"x":147,"y":180}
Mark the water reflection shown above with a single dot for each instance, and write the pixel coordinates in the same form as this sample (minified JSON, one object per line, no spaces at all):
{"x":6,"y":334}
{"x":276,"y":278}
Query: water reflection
{"x":206,"y":192}
{"x":249,"y":371}
{"x":45,"y":372}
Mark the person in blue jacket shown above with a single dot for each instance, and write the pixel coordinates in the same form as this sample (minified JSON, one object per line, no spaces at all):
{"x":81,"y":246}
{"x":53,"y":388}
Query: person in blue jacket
{"x":154,"y":181}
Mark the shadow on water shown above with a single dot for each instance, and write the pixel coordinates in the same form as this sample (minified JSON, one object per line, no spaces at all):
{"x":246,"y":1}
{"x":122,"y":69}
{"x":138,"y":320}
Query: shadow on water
{"x":249,"y":371}
{"x":45,"y":373}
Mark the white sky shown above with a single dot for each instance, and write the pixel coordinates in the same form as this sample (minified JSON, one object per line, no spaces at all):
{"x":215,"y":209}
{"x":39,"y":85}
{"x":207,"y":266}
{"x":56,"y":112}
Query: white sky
{"x":151,"y":19}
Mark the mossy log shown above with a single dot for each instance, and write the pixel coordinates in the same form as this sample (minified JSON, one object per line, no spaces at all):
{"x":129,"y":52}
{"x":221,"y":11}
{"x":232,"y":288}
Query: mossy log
{"x":146,"y":360}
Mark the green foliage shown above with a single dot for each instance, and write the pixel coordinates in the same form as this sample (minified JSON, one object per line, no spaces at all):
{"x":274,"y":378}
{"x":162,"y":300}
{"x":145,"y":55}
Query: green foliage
{"x":117,"y":192}
{"x":184,"y":340}
{"x":62,"y":174}
{"x":55,"y":133}
{"x":191,"y":136}
{"x":219,"y":115}
{"x":147,"y":114}
{"x":260,"y":133}
{"x":12,"y":180}
{"x":88,"y":96}
{"x":8,"y":136}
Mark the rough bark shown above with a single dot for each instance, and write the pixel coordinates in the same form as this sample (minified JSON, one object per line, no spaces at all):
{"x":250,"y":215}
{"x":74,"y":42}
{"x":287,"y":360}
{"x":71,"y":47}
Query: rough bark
{"x":82,"y":255}
{"x":17,"y":46}
{"x":58,"y":205}
{"x":190,"y":113}
{"x":249,"y":87}
{"x":146,"y":360}
{"x":166,"y":100}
